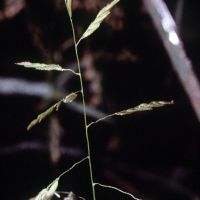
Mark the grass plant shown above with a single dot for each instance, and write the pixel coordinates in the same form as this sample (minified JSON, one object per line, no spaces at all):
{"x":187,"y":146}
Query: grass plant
{"x":51,"y":190}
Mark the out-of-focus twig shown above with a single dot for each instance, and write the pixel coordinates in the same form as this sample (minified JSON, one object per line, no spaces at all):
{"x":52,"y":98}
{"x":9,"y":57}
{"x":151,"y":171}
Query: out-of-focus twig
{"x":148,"y":177}
{"x":11,"y":8}
{"x":167,"y":29}
{"x":65,"y":45}
{"x":55,"y":133}
{"x":91,"y":112}
{"x":13,"y":86}
{"x":38,"y":146}
{"x":36,"y":35}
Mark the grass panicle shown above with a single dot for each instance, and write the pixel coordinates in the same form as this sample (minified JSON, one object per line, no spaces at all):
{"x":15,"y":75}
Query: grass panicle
{"x":51,"y":190}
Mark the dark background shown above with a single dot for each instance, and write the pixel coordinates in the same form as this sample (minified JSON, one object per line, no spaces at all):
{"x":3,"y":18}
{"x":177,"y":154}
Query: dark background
{"x":154,"y":155}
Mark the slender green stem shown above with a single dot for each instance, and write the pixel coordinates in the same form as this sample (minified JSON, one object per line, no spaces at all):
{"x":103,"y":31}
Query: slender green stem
{"x":84,"y":111}
{"x":72,"y":167}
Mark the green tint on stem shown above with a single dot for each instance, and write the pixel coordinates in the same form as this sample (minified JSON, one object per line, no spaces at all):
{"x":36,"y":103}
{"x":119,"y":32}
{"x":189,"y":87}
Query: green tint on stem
{"x":84,"y":111}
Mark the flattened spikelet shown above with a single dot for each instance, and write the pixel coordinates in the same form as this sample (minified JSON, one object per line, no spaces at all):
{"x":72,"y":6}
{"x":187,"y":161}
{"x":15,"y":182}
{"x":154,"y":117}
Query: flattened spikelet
{"x":103,"y":13}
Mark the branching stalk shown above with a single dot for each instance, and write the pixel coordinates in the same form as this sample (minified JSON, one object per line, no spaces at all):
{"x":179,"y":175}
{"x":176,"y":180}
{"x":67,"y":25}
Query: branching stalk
{"x":117,"y":189}
{"x":139,"y":108}
{"x":84,"y":111}
{"x":72,"y":167}
{"x":101,"y":119}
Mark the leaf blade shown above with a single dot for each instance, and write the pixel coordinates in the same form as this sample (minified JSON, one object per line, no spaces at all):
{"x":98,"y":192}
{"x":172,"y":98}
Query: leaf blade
{"x":144,"y":107}
{"x":41,"y":66}
{"x":44,"y":67}
{"x":68,"y":99}
{"x":103,"y":13}
{"x":52,"y":188}
{"x":68,"y":4}
{"x":139,"y":108}
{"x":48,"y":192}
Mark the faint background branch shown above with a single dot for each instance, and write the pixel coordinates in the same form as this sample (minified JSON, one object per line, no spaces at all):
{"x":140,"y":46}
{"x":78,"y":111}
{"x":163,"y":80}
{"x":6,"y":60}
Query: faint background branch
{"x":38,"y":146}
{"x":167,"y":30}
{"x":14,"y":86}
{"x":11,"y":8}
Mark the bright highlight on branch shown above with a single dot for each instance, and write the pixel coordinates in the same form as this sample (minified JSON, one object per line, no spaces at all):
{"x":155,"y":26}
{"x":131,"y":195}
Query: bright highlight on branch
{"x":173,"y":38}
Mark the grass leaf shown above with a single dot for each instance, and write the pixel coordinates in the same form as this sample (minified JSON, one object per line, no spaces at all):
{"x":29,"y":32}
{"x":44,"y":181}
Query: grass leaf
{"x":52,"y":188}
{"x":68,"y":99}
{"x":41,"y":66}
{"x":144,"y":107}
{"x":43,"y":115}
{"x":139,"y":108}
{"x":69,"y":7}
{"x":45,"y":67}
{"x":48,"y":192}
{"x":103,"y":13}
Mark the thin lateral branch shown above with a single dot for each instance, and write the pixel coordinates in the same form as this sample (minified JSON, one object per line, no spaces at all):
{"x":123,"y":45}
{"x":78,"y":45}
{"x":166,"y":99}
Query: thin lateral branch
{"x":101,"y":119}
{"x":117,"y":189}
{"x":48,"y":192}
{"x":72,"y":167}
{"x":63,"y":192}
{"x":72,"y":71}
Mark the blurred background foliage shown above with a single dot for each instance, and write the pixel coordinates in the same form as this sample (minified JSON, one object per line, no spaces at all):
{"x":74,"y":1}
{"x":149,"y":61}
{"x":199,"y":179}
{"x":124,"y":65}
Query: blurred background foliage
{"x":154,"y":155}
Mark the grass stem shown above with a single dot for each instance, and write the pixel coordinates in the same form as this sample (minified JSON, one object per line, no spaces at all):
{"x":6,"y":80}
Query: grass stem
{"x":84,"y":111}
